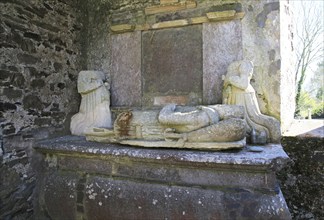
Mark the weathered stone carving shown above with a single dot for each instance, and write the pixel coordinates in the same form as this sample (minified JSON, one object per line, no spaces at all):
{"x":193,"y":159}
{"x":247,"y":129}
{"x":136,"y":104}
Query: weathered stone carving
{"x":95,"y":103}
{"x":238,"y":91}
{"x":202,"y":127}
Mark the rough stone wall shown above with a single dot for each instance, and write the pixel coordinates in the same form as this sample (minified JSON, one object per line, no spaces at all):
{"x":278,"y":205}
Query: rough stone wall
{"x":97,"y":17}
{"x":96,"y":45}
{"x":302,"y":180}
{"x":39,"y":50}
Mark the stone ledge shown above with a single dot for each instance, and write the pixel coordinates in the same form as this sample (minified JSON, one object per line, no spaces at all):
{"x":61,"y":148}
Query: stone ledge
{"x":162,"y":2}
{"x":122,"y":28}
{"x":230,"y":169}
{"x":220,"y":16}
{"x":273,"y":157}
{"x":210,"y":17}
{"x":170,"y":24}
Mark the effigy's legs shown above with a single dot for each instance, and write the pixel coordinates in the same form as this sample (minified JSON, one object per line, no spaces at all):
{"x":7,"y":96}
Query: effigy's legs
{"x":224,"y":131}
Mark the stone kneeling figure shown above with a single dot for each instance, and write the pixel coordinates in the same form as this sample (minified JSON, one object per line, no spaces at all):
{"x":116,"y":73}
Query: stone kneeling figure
{"x":95,"y":103}
{"x":238,"y":91}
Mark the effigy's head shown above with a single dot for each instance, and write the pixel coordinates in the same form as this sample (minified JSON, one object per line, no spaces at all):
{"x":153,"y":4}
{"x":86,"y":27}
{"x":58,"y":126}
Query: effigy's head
{"x":246,"y":67}
{"x":89,"y":81}
{"x":241,"y":67}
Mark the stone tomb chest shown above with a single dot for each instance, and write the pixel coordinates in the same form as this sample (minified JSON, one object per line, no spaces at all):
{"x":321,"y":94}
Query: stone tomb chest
{"x":177,"y":52}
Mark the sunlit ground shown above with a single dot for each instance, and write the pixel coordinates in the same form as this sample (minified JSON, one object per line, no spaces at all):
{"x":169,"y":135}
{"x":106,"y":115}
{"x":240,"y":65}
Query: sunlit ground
{"x":307,"y":128}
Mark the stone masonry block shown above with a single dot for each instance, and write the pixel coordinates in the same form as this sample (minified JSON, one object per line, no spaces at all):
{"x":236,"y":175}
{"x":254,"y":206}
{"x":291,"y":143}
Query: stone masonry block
{"x":222,"y":44}
{"x":170,"y":7}
{"x":168,"y":1}
{"x":170,"y":24}
{"x":126,"y":69}
{"x":220,"y":16}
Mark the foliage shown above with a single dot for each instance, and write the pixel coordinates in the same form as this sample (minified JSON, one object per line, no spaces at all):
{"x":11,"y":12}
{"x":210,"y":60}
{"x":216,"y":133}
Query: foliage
{"x":318,"y":111}
{"x":317,"y":82}
{"x":309,"y":103}
{"x":312,"y":97}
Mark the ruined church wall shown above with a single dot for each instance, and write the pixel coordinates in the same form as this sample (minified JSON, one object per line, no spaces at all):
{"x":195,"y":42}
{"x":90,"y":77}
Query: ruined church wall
{"x":39,"y":53}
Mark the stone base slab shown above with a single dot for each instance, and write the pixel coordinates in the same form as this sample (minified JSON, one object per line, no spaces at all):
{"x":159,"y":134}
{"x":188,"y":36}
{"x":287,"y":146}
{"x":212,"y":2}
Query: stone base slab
{"x":108,"y":181}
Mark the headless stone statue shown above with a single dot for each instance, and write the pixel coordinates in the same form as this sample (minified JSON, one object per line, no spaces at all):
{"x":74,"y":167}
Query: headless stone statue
{"x":95,"y":103}
{"x":238,"y":91}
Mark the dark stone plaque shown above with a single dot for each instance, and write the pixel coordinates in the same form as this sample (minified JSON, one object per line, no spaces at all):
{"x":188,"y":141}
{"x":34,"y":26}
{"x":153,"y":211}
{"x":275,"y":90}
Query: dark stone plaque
{"x":126,"y":69}
{"x":172,"y":62}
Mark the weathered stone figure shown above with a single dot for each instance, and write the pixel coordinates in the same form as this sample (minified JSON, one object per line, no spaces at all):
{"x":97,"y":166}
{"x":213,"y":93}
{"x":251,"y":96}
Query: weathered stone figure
{"x":201,"y":124}
{"x":213,"y":127}
{"x":239,"y":91}
{"x":95,"y":103}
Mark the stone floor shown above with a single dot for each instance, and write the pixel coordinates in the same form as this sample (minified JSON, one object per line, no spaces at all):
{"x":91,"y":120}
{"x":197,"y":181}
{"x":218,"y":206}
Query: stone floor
{"x":306,"y":128}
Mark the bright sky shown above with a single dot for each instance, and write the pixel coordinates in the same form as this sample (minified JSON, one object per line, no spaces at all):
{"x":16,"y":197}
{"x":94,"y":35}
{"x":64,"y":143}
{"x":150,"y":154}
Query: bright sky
{"x":316,"y":7}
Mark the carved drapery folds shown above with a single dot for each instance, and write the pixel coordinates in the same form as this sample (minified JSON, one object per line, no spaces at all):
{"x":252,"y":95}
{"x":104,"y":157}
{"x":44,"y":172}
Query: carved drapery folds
{"x":95,"y":103}
{"x":238,"y":91}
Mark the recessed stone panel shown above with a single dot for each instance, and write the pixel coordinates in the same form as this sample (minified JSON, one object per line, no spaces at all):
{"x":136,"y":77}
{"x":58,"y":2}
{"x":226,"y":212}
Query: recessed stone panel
{"x":59,"y":195}
{"x":126,"y":69}
{"x":222,"y":44}
{"x":172,"y":63}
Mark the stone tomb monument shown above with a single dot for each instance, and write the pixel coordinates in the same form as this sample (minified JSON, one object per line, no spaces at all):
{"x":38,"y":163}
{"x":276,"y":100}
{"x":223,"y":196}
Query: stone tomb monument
{"x":212,"y":127}
{"x":109,"y":179}
{"x":149,"y":147}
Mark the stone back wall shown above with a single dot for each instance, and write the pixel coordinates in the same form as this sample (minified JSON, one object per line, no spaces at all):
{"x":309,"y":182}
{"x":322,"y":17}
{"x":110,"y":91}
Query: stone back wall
{"x":260,"y":36}
{"x":163,"y":48}
{"x":39,"y":53}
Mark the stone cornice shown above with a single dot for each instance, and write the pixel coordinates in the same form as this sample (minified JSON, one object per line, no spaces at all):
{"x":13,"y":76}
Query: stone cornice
{"x":209,"y":17}
{"x":172,"y":14}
